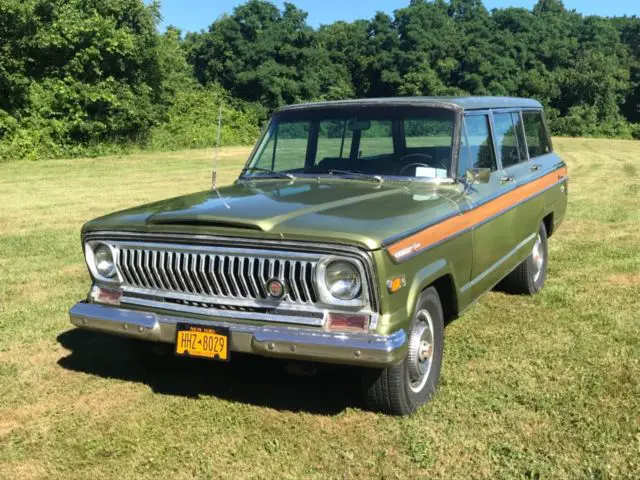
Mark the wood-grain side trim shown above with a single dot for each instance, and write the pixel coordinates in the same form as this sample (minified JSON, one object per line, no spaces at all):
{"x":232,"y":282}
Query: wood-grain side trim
{"x":474,"y":217}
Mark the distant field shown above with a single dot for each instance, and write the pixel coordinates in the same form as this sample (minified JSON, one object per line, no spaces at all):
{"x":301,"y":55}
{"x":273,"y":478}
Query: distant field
{"x":532,"y":387}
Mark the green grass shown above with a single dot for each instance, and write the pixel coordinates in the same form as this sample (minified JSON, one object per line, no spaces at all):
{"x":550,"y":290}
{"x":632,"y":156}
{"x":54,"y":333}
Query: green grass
{"x":531,"y":388}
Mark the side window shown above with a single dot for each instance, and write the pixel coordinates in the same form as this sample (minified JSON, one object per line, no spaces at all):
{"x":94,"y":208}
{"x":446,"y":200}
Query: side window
{"x":509,"y":138}
{"x":377,"y":139}
{"x":476,"y":148}
{"x":537,"y":139}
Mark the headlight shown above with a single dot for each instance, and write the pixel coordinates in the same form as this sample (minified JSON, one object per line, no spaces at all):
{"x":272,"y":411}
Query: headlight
{"x":343,"y":280}
{"x":103,"y":259}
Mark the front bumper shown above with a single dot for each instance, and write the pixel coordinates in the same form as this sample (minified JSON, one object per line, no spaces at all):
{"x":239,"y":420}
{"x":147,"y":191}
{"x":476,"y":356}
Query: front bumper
{"x":365,"y":349}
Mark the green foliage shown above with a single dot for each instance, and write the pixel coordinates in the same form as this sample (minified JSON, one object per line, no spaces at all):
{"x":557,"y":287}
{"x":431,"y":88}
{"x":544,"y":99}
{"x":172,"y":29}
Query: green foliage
{"x":264,"y":55}
{"x":91,"y":77}
{"x":192,"y":119}
{"x":586,"y":70}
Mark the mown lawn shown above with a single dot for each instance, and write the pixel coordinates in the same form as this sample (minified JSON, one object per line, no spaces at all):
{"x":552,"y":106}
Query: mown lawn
{"x":532,"y":387}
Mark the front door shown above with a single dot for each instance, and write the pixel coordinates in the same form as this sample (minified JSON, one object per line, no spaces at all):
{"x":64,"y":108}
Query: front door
{"x":493,"y":236}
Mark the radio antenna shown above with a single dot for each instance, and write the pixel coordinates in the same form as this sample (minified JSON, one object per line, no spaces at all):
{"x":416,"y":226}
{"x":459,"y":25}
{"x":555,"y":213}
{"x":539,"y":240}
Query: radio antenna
{"x":216,"y":155}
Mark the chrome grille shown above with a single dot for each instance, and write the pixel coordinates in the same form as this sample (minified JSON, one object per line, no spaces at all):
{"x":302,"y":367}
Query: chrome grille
{"x":227,"y":275}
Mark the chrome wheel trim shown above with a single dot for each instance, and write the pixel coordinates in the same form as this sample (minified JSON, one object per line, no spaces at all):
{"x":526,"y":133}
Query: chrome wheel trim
{"x":421,"y":349}
{"x":538,"y":258}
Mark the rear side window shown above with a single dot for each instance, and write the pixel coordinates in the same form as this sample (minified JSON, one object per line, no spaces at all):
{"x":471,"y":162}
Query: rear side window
{"x":509,"y":138}
{"x":537,"y":139}
{"x":476,"y":148}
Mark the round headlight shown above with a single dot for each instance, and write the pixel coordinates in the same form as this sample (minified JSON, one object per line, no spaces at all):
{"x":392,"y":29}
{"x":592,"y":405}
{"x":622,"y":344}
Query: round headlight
{"x":104,"y":261}
{"x":343,"y":280}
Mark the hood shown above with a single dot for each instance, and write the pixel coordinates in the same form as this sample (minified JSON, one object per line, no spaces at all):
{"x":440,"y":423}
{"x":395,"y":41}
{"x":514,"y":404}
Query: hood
{"x":333,"y":210}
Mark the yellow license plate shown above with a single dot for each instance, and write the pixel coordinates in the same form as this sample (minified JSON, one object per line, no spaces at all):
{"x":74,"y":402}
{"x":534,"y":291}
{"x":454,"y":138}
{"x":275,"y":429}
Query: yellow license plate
{"x":202,"y":342}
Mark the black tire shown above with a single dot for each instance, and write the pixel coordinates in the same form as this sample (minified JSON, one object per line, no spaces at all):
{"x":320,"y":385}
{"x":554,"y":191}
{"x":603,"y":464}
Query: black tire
{"x":391,"y":390}
{"x":528,"y":277}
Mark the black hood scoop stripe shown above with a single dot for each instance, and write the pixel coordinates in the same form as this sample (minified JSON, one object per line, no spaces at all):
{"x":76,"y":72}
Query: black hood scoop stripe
{"x":196,"y":222}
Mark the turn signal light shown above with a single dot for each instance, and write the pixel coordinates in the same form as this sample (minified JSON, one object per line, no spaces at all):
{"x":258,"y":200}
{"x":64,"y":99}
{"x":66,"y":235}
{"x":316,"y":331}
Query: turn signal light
{"x":347,"y":323}
{"x":106,"y":295}
{"x":396,"y":283}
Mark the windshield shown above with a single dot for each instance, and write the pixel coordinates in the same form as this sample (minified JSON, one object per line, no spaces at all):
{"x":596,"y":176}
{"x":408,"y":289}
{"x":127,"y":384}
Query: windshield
{"x":405,"y":142}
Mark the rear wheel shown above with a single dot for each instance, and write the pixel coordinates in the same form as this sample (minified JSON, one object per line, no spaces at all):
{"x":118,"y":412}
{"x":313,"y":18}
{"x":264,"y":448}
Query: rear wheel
{"x":528,"y":277}
{"x":401,"y":389}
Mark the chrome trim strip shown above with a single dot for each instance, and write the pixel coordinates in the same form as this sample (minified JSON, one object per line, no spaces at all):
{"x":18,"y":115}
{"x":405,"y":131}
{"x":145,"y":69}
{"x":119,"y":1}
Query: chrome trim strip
{"x":365,"y":349}
{"x":243,"y":280}
{"x":230,"y":301}
{"x":294,"y":284}
{"x":219,"y":260}
{"x":292,"y":247}
{"x":231,"y":271}
{"x":466,"y":207}
{"x":476,"y":225}
{"x":183,"y":268}
{"x":195,"y":272}
{"x":232,"y":314}
{"x":500,"y":261}
{"x":305,"y":287}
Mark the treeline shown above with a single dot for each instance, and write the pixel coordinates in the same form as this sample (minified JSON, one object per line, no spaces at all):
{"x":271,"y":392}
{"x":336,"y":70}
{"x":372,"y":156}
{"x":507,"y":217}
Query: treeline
{"x":86,"y":77}
{"x":91,"y":77}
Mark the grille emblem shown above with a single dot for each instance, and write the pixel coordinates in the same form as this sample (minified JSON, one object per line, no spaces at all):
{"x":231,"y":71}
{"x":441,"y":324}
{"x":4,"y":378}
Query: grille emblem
{"x":275,"y":288}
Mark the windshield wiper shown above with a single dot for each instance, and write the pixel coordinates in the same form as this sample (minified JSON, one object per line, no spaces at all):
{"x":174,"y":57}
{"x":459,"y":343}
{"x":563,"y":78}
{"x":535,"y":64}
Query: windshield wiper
{"x":377,"y":178}
{"x":267,"y":170}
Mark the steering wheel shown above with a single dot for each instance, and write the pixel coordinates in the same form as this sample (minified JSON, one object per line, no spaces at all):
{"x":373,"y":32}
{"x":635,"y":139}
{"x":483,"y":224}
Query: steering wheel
{"x":416,"y":154}
{"x":401,"y":171}
{"x":418,"y":164}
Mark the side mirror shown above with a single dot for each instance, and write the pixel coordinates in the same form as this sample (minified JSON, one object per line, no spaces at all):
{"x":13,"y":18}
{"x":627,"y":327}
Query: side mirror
{"x":478,"y":175}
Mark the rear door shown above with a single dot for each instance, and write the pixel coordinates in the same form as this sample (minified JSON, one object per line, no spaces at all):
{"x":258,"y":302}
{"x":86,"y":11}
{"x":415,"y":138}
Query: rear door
{"x":517,"y":171}
{"x":543,"y":161}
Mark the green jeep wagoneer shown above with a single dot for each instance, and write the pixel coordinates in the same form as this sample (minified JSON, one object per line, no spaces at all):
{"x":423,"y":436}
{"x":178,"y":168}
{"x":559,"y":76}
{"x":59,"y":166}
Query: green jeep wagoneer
{"x":355,"y":232}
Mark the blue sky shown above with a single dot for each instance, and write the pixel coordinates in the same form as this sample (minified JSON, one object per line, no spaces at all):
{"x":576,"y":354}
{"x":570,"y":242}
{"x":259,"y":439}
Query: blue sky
{"x":194,"y":15}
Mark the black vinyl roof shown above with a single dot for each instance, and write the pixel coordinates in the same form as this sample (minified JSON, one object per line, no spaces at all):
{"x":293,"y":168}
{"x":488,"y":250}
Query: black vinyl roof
{"x":457,"y":103}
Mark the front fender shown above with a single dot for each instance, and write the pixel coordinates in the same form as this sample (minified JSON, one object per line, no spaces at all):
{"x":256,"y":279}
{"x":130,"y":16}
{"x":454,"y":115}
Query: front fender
{"x":424,"y":277}
{"x":452,"y":259}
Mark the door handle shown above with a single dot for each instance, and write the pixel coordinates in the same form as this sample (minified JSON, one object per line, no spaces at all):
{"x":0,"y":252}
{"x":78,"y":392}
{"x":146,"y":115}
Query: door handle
{"x":507,"y":179}
{"x":535,"y":168}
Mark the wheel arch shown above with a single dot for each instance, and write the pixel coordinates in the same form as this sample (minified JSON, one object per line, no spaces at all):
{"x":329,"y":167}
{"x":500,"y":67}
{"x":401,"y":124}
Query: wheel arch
{"x":440,"y":276}
{"x":548,"y":223}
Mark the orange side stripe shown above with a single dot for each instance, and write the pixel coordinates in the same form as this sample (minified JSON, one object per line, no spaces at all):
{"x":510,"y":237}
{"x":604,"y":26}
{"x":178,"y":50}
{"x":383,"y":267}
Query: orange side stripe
{"x":447,"y":228}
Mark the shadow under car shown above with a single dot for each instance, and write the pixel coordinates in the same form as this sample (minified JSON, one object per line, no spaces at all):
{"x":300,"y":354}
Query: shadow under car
{"x":249,"y":379}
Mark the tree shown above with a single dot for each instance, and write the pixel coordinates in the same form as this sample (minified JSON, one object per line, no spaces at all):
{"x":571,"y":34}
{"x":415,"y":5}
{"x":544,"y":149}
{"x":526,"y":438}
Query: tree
{"x":264,"y":55}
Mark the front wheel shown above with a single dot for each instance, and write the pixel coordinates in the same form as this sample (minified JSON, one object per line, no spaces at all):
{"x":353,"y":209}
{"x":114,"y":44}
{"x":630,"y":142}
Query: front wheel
{"x":401,"y":389}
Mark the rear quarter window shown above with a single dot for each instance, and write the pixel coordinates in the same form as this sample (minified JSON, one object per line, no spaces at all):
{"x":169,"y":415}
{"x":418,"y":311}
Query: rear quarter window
{"x":538,"y":141}
{"x":509,"y":136}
